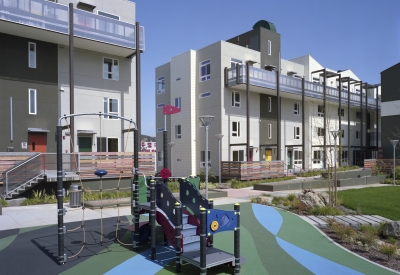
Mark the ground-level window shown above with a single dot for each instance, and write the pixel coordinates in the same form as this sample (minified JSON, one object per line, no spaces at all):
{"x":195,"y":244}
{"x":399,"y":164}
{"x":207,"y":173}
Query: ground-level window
{"x":340,"y":112}
{"x":298,"y":157}
{"x":269,"y":104}
{"x":203,"y":159}
{"x":238,"y":155}
{"x":344,"y":157}
{"x":321,"y":110}
{"x":32,"y":55}
{"x":105,"y":144}
{"x":269,"y":131}
{"x":317,"y":156}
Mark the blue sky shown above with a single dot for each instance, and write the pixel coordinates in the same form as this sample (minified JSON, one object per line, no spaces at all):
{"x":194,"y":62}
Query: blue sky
{"x":362,"y":35}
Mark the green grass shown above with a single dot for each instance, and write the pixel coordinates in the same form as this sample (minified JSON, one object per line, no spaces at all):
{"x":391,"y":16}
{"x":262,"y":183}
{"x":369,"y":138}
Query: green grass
{"x":382,"y":201}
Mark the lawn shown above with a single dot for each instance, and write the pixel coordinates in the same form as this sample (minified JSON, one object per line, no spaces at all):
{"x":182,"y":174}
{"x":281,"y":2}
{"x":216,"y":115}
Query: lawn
{"x":382,"y":201}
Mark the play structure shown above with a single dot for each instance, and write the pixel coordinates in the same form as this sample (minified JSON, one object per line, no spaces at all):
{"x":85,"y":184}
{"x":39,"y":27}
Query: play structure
{"x":189,"y":225}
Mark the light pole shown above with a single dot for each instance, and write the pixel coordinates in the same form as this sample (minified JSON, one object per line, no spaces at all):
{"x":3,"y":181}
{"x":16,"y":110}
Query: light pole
{"x":219,"y":137}
{"x":171,"y":145}
{"x":206,"y":120}
{"x":335,"y":134}
{"x":394,"y":142}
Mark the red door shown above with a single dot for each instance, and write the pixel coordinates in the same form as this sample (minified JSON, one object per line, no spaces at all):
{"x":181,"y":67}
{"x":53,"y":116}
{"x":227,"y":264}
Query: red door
{"x":250,"y":155}
{"x":38,"y":142}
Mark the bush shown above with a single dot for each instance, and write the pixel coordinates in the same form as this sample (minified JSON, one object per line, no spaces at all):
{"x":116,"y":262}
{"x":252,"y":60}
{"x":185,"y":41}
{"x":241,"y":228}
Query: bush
{"x":243,"y":184}
{"x":370,"y":229}
{"x":367,"y":238}
{"x":211,"y":176}
{"x":344,"y":232}
{"x":326,"y":211}
{"x":4,"y":203}
{"x":291,"y":197}
{"x":388,"y":249}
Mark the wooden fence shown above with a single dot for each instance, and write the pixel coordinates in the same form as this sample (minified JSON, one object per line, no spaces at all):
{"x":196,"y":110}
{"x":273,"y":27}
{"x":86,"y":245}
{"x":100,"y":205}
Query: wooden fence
{"x":381,"y":165}
{"x":251,"y":170}
{"x":115,"y":163}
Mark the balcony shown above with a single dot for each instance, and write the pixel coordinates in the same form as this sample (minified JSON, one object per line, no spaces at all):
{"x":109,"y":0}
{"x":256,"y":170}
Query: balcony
{"x":266,"y":79}
{"x":48,"y":21}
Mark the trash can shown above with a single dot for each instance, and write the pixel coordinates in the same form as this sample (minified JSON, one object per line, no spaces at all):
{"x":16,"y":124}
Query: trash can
{"x":75,"y":196}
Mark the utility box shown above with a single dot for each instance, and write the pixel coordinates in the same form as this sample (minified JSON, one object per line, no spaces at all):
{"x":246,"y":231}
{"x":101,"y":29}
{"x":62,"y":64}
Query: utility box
{"x":75,"y":196}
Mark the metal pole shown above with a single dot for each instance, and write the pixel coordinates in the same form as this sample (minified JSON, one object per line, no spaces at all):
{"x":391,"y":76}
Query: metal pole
{"x":153,"y":219}
{"x":203,"y":239}
{"x":178,"y":236}
{"x":340,"y":119}
{"x":71,"y":74}
{"x":335,"y":184}
{"x":348,"y":122}
{"x":165,"y":147}
{"x":237,"y":241}
{"x":325,"y":158}
{"x":211,"y":206}
{"x":138,"y":90}
{"x":303,"y":130}
{"x":60,"y":207}
{"x":247,"y":110}
{"x":278,"y":126}
{"x":11,"y":121}
{"x":172,"y":163}
{"x":206,"y":153}
{"x":219,"y":163}
{"x":394,"y":164}
{"x":135,"y":187}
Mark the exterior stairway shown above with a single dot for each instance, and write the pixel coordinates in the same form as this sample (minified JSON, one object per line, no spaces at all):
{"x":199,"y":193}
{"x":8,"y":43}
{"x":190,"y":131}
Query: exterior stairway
{"x":23,"y":187}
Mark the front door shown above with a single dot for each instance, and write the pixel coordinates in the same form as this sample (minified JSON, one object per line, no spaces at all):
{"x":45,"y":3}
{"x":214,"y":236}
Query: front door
{"x":268,"y":154}
{"x":38,"y":142}
{"x":290,"y":159}
{"x":85,"y":144}
{"x":250,"y":155}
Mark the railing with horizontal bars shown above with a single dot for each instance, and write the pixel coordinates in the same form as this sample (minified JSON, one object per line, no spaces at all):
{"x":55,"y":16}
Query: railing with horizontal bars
{"x":251,"y":170}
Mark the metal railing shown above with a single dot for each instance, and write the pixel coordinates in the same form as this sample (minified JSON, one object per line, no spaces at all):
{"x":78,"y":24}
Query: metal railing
{"x":70,"y":162}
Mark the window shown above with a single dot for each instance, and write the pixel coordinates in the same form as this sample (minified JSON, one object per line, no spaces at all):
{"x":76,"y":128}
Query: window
{"x":178,"y":133}
{"x":269,"y":47}
{"x":110,"y":107}
{"x":160,"y":105}
{"x":109,"y":15}
{"x":235,"y":99}
{"x":298,"y":157}
{"x":358,"y":115}
{"x":269,"y":131}
{"x":269,"y":104}
{"x":297,"y":108}
{"x":234,"y":62}
{"x":105,"y":144}
{"x":160,"y":157}
{"x":344,"y":156}
{"x":160,"y":85}
{"x":254,"y":43}
{"x":321,"y":110}
{"x":296,"y":132}
{"x":203,"y":159}
{"x":205,"y":70}
{"x":238,"y":155}
{"x":342,"y":133}
{"x":340,"y":112}
{"x":177,"y":102}
{"x":317,"y":156}
{"x":320,"y":132}
{"x":110,"y":69}
{"x":85,"y":6}
{"x":159,"y":130}
{"x":235,"y":129}
{"x":356,"y":134}
{"x":203,"y":95}
{"x":32,"y":55}
{"x":32,"y":102}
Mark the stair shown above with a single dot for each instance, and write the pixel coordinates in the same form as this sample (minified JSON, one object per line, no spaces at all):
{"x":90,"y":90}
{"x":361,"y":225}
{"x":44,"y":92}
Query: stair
{"x":191,"y":241}
{"x":22,"y":188}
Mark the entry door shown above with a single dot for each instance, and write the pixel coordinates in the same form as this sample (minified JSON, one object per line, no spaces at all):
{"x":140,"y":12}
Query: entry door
{"x":85,"y":144}
{"x":268,"y":154}
{"x":250,"y":155}
{"x":38,"y":142}
{"x":290,"y":159}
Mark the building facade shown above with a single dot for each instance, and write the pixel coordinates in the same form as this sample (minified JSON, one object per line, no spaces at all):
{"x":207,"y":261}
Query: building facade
{"x":236,"y":82}
{"x":35,"y":83}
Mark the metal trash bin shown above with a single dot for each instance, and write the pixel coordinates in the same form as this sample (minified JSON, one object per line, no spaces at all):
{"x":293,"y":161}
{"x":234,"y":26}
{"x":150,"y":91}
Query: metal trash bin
{"x":75,"y":196}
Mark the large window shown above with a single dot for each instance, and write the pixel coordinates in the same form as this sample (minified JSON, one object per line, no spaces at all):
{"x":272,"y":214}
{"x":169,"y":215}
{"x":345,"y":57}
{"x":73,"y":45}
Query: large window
{"x":317,"y":156}
{"x":205,"y":70}
{"x":296,"y":132}
{"x":178,"y":132}
{"x":105,"y":144}
{"x":32,"y":102}
{"x":269,"y":131}
{"x":235,"y":129}
{"x":321,"y":110}
{"x":235,"y":99}
{"x":298,"y":157}
{"x":32,"y":55}
{"x":238,"y":155}
{"x":160,"y":85}
{"x":111,"y":106}
{"x":297,"y":108}
{"x":203,"y":159}
{"x":320,"y":132}
{"x":177,"y":102}
{"x":110,"y":68}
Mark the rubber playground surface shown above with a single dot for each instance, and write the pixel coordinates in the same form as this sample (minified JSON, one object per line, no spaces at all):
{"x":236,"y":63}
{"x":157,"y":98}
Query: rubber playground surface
{"x":273,"y":242}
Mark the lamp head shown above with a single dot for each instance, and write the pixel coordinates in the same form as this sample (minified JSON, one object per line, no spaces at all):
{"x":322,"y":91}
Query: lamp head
{"x":394,"y":142}
{"x":206,"y":120}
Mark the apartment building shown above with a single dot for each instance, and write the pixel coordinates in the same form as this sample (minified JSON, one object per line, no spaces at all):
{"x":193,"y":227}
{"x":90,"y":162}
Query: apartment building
{"x":259,"y":117}
{"x":35,"y":82}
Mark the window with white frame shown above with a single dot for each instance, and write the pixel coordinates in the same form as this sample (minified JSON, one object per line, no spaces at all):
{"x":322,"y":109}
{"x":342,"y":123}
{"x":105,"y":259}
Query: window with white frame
{"x":235,"y":128}
{"x":177,"y":102}
{"x":234,"y":62}
{"x":32,"y":102}
{"x":178,"y":132}
{"x":297,"y":108}
{"x":320,"y":131}
{"x":269,"y":47}
{"x":160,"y":85}
{"x":298,"y":157}
{"x":340,"y":112}
{"x":317,"y":156}
{"x":111,"y":106}
{"x":296,"y":132}
{"x":269,"y":131}
{"x":32,"y":55}
{"x":203,"y":95}
{"x":203,"y":159}
{"x":235,"y":99}
{"x":344,"y":156}
{"x":238,"y":155}
{"x":269,"y":104}
{"x":110,"y":68}
{"x":321,"y":110}
{"x":205,"y":70}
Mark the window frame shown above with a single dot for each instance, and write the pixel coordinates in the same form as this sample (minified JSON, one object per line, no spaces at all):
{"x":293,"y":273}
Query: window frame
{"x":207,"y":75}
{"x":114,"y":74}
{"x":108,"y":15}
{"x":296,"y":108}
{"x":235,"y":61}
{"x":240,"y":155}
{"x":269,"y":47}
{"x":297,"y":132}
{"x":30,"y":65}
{"x":269,"y":104}
{"x":299,"y":154}
{"x":204,"y":95}
{"x":107,"y":111}
{"x":160,"y":80}
{"x":316,"y":156}
{"x":203,"y":159}
{"x":341,"y":112}
{"x":178,"y":131}
{"x":344,"y":156}
{"x":320,"y":111}
{"x":237,"y":132}
{"x":178,"y":102}
{"x":35,"y":101}
{"x":236,"y":104}
{"x":269,"y":131}
{"x":320,"y":132}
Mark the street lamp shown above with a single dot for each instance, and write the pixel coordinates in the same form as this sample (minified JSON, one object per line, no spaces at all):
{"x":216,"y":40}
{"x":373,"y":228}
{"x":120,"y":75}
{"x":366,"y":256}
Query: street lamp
{"x":219,"y":137}
{"x":394,"y":142}
{"x":335,"y":134}
{"x":171,"y":144}
{"x":206,"y":120}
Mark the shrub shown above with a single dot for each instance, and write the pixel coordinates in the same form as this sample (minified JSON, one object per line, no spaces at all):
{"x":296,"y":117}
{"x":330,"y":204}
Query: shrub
{"x":278,"y":200}
{"x":256,"y":200}
{"x":326,"y":211}
{"x":388,"y":249}
{"x":291,"y":197}
{"x":367,"y":238}
{"x":211,"y":176}
{"x":344,"y":232}
{"x":392,"y":240}
{"x":369,"y":229}
{"x":4,"y":203}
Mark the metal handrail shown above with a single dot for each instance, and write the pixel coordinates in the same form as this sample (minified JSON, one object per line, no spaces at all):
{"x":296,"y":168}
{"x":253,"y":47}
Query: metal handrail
{"x":22,"y":163}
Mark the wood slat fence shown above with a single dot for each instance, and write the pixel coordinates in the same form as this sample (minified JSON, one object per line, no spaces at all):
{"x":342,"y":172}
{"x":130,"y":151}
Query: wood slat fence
{"x":251,"y":170}
{"x":381,"y":165}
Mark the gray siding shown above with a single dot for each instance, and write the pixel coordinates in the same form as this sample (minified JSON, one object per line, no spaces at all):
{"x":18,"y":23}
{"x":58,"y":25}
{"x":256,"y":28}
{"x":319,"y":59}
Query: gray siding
{"x":390,"y":83}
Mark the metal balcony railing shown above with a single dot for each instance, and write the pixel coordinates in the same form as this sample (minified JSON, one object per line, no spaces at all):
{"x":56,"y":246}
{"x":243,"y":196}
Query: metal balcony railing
{"x":54,"y":17}
{"x":267,"y":79}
